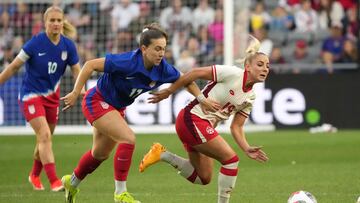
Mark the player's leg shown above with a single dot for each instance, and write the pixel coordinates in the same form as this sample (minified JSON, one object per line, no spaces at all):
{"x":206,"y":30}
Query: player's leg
{"x":122,"y":135}
{"x":34,"y":176}
{"x":44,"y":146}
{"x":219,"y":149}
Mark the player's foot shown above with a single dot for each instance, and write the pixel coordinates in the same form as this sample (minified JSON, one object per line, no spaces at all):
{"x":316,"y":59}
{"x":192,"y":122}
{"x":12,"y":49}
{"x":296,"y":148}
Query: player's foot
{"x":57,"y":186}
{"x":125,"y":197}
{"x":70,"y":191}
{"x":36,"y":182}
{"x":152,"y":157}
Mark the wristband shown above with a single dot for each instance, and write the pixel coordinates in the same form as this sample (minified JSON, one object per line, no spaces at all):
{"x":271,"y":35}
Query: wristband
{"x":200,"y":98}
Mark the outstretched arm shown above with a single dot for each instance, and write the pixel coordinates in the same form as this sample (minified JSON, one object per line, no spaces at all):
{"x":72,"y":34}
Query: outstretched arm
{"x":186,"y":79}
{"x":238,"y":134}
{"x":10,"y":70}
{"x":85,"y":73}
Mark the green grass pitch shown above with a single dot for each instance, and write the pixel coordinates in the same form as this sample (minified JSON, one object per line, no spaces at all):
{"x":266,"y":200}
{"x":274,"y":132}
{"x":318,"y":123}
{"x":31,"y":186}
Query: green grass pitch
{"x":327,"y":165}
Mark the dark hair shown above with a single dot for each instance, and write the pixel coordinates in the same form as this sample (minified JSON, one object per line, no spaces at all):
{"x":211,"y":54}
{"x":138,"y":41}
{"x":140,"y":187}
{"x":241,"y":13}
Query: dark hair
{"x":152,"y":31}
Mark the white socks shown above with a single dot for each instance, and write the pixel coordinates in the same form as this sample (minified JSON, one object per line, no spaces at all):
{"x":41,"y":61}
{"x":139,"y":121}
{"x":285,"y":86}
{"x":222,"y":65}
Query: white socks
{"x":120,"y":187}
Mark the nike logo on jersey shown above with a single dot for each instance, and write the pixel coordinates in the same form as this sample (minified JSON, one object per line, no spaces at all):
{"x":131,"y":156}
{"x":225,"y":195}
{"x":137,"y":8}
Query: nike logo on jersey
{"x":129,"y":78}
{"x":42,"y":54}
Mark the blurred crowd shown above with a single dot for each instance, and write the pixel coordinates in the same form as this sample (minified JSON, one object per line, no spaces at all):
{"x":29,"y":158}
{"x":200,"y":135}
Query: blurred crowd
{"x":295,"y":32}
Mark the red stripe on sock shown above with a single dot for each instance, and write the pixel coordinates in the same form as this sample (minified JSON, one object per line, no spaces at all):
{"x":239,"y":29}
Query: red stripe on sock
{"x":86,"y":165}
{"x":229,"y":172}
{"x":192,"y":177}
{"x":37,"y":167}
{"x":232,"y":160}
{"x":51,"y":172}
{"x":122,"y":161}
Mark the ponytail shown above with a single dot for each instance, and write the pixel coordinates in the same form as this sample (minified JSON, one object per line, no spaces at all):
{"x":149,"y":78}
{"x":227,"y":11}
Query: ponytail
{"x":253,"y":46}
{"x":69,"y":30}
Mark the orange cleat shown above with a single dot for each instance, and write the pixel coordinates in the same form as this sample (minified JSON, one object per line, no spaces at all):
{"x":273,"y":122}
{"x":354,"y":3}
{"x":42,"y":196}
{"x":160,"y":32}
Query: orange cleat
{"x":152,"y":157}
{"x":36,"y":182}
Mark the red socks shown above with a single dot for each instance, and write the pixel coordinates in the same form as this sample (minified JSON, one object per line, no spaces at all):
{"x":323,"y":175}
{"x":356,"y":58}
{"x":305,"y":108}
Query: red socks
{"x":122,"y":161}
{"x":86,"y":165}
{"x":51,"y":172}
{"x":37,"y":167}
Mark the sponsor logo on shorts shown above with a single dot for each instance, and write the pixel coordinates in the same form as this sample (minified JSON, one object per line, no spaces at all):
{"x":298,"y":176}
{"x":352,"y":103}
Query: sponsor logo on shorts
{"x":31,"y":109}
{"x":104,"y":105}
{"x":210,"y":130}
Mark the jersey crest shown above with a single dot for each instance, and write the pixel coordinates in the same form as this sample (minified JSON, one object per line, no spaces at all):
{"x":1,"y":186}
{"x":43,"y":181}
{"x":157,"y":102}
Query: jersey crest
{"x":64,"y":55}
{"x":210,"y":130}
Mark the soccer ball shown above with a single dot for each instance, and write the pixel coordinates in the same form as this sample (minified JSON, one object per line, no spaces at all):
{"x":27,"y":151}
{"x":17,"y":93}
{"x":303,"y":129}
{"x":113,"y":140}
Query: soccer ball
{"x":301,"y":197}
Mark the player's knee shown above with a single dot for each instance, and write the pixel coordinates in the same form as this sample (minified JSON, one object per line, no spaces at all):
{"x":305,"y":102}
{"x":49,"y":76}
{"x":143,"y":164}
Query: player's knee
{"x":205,"y":180}
{"x":44,"y":137}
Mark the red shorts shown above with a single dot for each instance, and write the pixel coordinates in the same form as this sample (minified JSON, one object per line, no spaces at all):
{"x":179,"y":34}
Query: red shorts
{"x":193,"y":130}
{"x":37,"y":107}
{"x":94,"y":106}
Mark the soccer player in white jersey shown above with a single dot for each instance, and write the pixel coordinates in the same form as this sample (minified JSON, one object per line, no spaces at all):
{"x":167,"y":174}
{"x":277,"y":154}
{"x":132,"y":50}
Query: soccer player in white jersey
{"x":231,"y":87}
{"x":46,"y":56}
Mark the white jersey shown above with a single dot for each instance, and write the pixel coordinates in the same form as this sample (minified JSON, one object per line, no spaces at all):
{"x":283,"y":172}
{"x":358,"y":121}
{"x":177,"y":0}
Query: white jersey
{"x":228,"y":89}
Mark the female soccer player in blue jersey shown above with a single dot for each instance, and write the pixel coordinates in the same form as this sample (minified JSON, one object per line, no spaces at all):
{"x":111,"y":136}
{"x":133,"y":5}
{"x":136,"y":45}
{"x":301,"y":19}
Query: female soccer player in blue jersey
{"x":46,"y":56}
{"x":125,"y":77}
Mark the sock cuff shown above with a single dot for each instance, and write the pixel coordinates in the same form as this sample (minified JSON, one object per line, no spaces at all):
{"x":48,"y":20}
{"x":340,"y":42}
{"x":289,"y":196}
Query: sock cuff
{"x":127,"y":145}
{"x":232,"y":160}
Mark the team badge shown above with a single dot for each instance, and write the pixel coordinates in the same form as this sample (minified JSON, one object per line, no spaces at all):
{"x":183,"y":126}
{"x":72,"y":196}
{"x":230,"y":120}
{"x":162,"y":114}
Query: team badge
{"x":152,"y":84}
{"x":64,"y":55}
{"x":104,"y":105}
{"x":210,"y":130}
{"x":232,"y":92}
{"x":31,"y":109}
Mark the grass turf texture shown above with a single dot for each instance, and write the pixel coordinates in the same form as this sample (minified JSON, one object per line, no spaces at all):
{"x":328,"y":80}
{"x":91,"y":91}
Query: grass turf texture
{"x":327,"y":165}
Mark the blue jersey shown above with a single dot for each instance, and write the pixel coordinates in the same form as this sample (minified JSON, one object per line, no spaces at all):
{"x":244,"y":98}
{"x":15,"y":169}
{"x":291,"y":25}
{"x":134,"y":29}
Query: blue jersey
{"x":125,"y":77}
{"x":45,"y":66}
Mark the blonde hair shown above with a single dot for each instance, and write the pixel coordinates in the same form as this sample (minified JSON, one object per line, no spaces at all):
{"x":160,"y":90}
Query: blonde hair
{"x":68,"y":29}
{"x":253,"y":46}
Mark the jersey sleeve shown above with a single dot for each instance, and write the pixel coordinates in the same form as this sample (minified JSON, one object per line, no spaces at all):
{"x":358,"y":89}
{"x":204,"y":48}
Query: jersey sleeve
{"x":73,"y":56}
{"x":29,"y":46}
{"x":170,"y":73}
{"x":116,"y":63}
{"x":221,"y":72}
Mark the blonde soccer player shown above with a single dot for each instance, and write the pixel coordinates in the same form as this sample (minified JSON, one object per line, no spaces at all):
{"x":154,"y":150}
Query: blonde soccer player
{"x":46,"y":56}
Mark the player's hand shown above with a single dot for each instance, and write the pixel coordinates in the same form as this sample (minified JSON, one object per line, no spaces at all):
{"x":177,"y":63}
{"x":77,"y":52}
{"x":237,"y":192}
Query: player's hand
{"x":159,"y":95}
{"x":257,"y":154}
{"x":209,"y":105}
{"x":69,"y":100}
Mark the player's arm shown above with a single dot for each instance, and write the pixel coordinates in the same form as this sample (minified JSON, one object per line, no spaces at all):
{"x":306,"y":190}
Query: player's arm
{"x":237,"y":131}
{"x":85,"y":73}
{"x":75,"y":70}
{"x":207,"y":104}
{"x":11,"y":69}
{"x":187,"y":80}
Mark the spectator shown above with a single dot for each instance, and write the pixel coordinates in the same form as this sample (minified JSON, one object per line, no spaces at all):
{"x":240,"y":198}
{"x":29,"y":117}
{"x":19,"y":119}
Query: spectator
{"x":77,"y":16}
{"x":206,"y":44}
{"x":259,"y":18}
{"x":333,"y":46}
{"x":282,"y":20}
{"x":349,"y":53}
{"x":123,"y":13}
{"x":203,"y":15}
{"x":144,"y":18}
{"x":175,"y":17}
{"x":37,"y":24}
{"x":351,"y":23}
{"x":306,"y":19}
{"x":216,"y":29}
{"x":330,"y":11}
{"x":301,"y":56}
{"x":21,"y":21}
{"x":276,"y":56}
